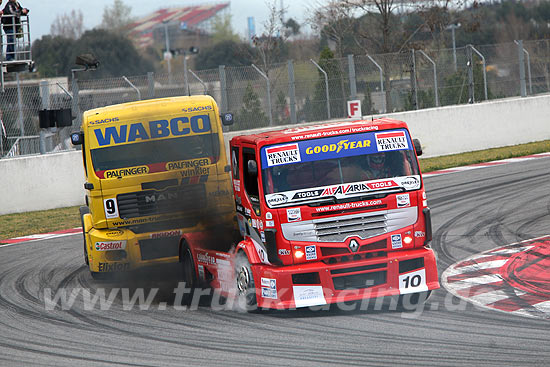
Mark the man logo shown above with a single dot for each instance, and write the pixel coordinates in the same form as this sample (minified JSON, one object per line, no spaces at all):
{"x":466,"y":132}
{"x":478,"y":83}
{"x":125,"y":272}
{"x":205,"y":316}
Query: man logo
{"x":353,"y":245}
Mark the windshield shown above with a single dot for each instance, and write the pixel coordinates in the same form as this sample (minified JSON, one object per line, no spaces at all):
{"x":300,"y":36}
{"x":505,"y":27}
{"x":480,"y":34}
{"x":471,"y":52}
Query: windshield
{"x":316,"y":169}
{"x":156,"y":151}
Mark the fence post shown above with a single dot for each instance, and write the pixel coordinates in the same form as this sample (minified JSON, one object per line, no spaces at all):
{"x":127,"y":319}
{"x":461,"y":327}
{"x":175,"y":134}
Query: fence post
{"x":292,"y":92}
{"x":45,"y":92}
{"x":223,"y":87}
{"x":352,"y":78}
{"x":326,"y":86}
{"x":484,"y":70}
{"x":76,"y":102}
{"x":185,"y":77}
{"x":381,"y":83}
{"x":528,"y":67}
{"x":413,"y":78}
{"x":200,"y":81}
{"x":20,"y":119}
{"x":151,"y":84}
{"x":268,"y":93}
{"x":133,"y":87}
{"x":522,"y":86}
{"x":471,"y":96}
{"x":435,"y":76}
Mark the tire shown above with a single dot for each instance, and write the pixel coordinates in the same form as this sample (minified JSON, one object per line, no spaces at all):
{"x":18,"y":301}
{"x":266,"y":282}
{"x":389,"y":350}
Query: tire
{"x":84,"y":210}
{"x":189,"y":275}
{"x":246,"y":287}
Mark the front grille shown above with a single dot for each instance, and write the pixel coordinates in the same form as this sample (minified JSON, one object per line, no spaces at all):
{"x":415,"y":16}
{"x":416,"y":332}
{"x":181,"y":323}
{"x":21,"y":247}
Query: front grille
{"x":338,"y":229}
{"x":360,"y":281}
{"x":361,"y":226}
{"x":157,"y":248}
{"x":153,"y":202}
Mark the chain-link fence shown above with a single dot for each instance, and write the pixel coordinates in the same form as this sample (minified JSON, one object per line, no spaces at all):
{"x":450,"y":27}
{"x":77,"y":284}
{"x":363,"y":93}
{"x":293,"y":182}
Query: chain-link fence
{"x":290,"y":92}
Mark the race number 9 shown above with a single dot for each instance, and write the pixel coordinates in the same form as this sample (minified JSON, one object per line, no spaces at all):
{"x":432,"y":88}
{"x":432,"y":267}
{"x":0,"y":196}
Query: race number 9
{"x":111,"y":209}
{"x":413,"y":282}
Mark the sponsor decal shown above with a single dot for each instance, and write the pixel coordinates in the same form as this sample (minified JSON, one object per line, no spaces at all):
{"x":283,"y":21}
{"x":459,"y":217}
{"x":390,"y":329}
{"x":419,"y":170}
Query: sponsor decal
{"x":294,"y":214}
{"x":203,"y":257}
{"x":270,"y":223}
{"x":109,"y":267}
{"x":350,"y":129}
{"x":114,"y":233}
{"x":261,"y":224}
{"x":268,"y":215}
{"x":282,"y":154}
{"x":396,"y":241}
{"x":403,"y":200}
{"x":413,"y":282}
{"x":308,"y":295}
{"x":411,"y":183}
{"x":219,"y":193}
{"x":311,"y":252}
{"x":353,"y":245}
{"x":175,"y":233}
{"x":419,"y":234}
{"x":359,"y":204}
{"x":344,"y":144}
{"x":194,"y":172}
{"x":262,"y":236}
{"x":111,"y":208}
{"x":178,"y":126}
{"x":254,"y":223}
{"x":201,"y":272}
{"x":122,"y":172}
{"x":276,"y":199}
{"x":382,"y":185}
{"x":269,"y":288}
{"x":194,"y":163}
{"x":197,"y":109}
{"x":284,"y":252}
{"x":104,"y":121}
{"x":237,"y":185}
{"x":247,"y":212}
{"x":110,"y":245}
{"x":395,"y":140}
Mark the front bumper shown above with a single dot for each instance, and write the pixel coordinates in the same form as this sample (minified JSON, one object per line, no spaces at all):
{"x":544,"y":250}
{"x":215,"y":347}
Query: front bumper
{"x":314,"y":284}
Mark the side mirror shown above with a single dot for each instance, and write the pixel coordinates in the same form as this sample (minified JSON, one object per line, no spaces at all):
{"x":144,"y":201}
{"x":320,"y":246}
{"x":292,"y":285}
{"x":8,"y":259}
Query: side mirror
{"x":77,"y":138}
{"x":253,"y":168}
{"x":227,"y":119}
{"x":417,"y":147}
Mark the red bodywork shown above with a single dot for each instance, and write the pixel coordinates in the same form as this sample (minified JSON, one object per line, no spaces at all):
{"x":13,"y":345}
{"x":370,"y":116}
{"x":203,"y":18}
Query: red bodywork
{"x":392,"y":263}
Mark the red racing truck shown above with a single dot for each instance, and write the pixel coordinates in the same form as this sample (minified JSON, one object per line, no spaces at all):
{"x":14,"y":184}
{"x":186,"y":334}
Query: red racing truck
{"x":327,"y":213}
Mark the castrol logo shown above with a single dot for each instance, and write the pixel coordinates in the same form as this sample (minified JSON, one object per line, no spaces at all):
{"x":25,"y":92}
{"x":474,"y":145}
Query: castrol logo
{"x":110,"y":245}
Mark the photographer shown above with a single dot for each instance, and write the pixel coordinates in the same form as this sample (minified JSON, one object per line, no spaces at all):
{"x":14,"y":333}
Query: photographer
{"x":11,"y":21}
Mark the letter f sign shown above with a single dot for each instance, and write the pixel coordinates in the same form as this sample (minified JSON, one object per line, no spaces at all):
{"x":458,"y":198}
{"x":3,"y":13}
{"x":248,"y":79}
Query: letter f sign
{"x":354,"y":109}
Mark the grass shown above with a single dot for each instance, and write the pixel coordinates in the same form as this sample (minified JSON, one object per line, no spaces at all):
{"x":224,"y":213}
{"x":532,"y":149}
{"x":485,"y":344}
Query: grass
{"x":16,"y":225}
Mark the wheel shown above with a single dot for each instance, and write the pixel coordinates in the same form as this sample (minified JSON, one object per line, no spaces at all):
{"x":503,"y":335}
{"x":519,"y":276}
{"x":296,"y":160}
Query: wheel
{"x":246,"y":288}
{"x":189,"y":276}
{"x":409,"y":302}
{"x":84,"y":210}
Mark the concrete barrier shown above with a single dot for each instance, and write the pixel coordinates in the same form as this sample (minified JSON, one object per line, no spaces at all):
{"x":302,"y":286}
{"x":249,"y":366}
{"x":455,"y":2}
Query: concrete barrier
{"x":56,"y":180}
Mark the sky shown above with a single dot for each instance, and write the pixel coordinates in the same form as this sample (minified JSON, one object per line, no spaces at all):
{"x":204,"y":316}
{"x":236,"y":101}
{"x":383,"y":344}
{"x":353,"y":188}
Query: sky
{"x":43,"y":13}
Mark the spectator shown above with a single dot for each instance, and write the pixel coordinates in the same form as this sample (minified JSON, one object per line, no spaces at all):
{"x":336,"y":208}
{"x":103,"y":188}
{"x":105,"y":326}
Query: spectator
{"x":11,"y":21}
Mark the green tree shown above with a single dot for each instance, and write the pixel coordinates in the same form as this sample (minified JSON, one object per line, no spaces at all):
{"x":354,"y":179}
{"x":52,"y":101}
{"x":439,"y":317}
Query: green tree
{"x":117,"y":16}
{"x":228,"y":53}
{"x":455,"y":87}
{"x":251,"y":114}
{"x":222,"y":29}
{"x":116,"y":53}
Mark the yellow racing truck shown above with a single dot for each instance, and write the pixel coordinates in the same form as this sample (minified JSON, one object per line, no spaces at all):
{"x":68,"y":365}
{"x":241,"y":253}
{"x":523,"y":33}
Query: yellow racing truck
{"x":155,"y":169}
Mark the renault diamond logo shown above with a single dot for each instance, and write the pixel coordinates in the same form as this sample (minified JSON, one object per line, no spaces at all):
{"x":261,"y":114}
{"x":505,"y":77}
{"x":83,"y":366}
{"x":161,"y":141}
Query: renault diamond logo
{"x":353,"y":245}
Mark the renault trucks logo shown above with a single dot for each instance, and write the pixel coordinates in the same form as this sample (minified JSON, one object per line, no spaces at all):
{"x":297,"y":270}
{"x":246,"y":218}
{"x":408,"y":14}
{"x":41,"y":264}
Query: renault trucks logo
{"x":353,"y":245}
{"x":394,"y":140}
{"x":282,"y":154}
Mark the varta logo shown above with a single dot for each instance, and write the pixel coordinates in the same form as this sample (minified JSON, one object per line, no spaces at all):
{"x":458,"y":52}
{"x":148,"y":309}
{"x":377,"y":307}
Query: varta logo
{"x":178,"y":126}
{"x":160,"y":197}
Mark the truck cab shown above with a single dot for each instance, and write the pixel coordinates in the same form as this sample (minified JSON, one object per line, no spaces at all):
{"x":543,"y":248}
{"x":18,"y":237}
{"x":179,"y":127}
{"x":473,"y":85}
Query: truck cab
{"x":331,"y":213}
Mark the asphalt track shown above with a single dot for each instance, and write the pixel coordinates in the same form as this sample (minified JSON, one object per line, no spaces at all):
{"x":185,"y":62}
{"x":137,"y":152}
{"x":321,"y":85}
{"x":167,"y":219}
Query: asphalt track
{"x":473,"y":211}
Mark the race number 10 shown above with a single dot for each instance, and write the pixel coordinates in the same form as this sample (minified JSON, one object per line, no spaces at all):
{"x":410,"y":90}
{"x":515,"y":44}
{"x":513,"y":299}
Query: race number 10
{"x":412,"y":282}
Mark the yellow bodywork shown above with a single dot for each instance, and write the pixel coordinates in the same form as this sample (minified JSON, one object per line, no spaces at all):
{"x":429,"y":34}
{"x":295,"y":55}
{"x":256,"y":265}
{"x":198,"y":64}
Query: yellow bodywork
{"x":141,"y":203}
